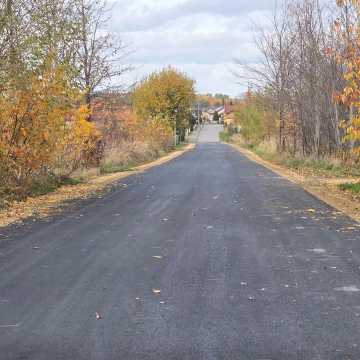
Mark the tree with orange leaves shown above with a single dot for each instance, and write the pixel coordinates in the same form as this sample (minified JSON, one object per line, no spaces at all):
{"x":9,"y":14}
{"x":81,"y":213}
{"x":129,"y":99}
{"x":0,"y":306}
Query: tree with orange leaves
{"x":42,"y":130}
{"x":349,"y":29}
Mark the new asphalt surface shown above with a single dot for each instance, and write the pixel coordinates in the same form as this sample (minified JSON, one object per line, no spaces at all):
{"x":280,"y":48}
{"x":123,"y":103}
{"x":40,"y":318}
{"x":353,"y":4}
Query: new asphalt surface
{"x":210,"y":256}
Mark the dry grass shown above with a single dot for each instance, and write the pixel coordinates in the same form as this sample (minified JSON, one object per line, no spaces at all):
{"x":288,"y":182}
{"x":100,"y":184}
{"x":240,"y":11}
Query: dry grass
{"x":268,"y":146}
{"x":127,"y":154}
{"x":326,"y":167}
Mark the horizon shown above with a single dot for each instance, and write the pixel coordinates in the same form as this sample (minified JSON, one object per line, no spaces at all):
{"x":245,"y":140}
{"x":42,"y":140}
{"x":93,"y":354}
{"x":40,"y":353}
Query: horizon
{"x":182,"y":35}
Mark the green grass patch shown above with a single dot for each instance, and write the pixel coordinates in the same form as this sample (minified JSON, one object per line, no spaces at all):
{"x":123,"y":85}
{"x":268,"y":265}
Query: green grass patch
{"x":177,"y":147}
{"x":353,"y":187}
{"x":69,"y":181}
{"x":224,"y":136}
{"x":322,"y":167}
{"x":49,"y":184}
{"x":43,"y":186}
{"x":114,"y":168}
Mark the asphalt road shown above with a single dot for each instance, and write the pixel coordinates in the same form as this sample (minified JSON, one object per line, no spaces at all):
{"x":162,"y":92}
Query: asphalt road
{"x":250,"y":267}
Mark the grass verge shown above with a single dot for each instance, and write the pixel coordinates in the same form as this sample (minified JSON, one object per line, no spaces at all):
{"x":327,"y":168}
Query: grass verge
{"x":224,"y":136}
{"x":114,"y":168}
{"x":329,"y":167}
{"x":352,"y":187}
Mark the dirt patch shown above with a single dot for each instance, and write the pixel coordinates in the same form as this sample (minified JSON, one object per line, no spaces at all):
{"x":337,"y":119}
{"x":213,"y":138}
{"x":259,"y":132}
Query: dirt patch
{"x":49,"y":204}
{"x":325,"y":189}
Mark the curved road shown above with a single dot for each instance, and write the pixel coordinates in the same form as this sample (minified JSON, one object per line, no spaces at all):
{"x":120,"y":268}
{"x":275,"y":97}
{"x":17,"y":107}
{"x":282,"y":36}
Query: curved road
{"x":210,"y":256}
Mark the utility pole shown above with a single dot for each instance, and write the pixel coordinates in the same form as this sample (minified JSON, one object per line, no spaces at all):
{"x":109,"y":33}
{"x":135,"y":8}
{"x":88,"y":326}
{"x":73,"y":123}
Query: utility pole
{"x":175,"y":117}
{"x":198,"y":113}
{"x":175,"y":137}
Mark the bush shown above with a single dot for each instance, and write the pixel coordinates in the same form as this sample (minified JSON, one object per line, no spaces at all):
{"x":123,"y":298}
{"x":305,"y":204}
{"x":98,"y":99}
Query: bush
{"x":224,"y":136}
{"x":252,"y":124}
{"x":355,"y":188}
{"x":43,"y":133}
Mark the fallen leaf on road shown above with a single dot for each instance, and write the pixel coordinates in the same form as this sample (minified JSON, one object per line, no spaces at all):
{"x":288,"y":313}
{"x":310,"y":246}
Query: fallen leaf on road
{"x":36,"y":247}
{"x":157,"y":257}
{"x":156,"y":291}
{"x":311,"y":210}
{"x":98,"y":316}
{"x":243,"y":283}
{"x":165,"y":219}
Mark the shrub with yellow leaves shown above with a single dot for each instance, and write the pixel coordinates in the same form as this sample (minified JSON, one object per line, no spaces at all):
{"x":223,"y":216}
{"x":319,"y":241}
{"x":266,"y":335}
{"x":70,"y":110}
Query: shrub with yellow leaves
{"x":350,"y":58}
{"x":42,"y":127}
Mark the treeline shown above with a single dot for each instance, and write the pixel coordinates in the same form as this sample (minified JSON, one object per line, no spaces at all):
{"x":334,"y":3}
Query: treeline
{"x":53,"y":55}
{"x":56,"y":61}
{"x":306,"y":89}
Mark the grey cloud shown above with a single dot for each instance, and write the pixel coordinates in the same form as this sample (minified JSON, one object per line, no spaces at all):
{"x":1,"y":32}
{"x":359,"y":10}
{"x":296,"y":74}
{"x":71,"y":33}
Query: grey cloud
{"x":205,"y":50}
{"x":148,"y":17}
{"x":199,"y":36}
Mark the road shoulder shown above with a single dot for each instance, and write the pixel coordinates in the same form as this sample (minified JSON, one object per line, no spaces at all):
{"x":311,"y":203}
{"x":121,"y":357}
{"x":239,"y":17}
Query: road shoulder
{"x":325,"y":189}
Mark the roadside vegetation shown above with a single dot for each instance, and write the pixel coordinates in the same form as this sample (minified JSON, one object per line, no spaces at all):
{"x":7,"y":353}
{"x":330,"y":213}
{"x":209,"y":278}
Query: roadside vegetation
{"x":355,"y":188}
{"x":302,"y":107}
{"x":60,"y":119}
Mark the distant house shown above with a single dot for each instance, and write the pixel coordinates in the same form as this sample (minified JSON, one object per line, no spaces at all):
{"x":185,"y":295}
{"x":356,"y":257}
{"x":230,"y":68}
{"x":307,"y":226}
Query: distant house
{"x":221,"y":111}
{"x":208,"y":114}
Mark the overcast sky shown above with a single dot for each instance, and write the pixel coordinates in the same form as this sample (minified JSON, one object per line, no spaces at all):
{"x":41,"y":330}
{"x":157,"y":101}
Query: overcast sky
{"x":200,"y":37}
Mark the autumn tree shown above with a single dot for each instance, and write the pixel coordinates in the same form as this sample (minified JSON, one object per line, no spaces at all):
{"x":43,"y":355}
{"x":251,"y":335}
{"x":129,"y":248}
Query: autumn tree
{"x":41,"y":132}
{"x":300,"y":73}
{"x":349,"y":30}
{"x":166,"y":95}
{"x":100,"y":55}
{"x":253,"y":117}
{"x":42,"y":128}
